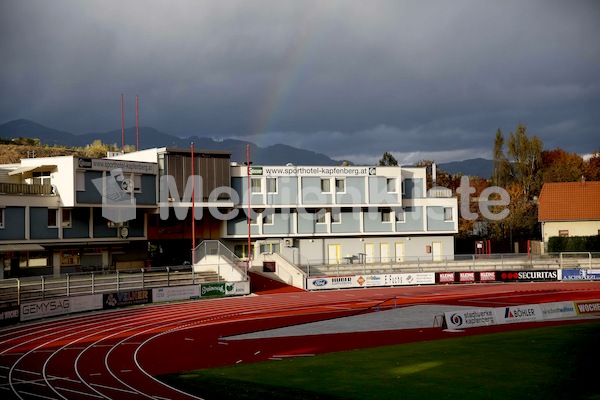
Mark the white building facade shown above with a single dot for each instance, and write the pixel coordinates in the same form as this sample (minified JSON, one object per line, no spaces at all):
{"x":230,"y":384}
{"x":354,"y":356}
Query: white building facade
{"x":340,"y":214}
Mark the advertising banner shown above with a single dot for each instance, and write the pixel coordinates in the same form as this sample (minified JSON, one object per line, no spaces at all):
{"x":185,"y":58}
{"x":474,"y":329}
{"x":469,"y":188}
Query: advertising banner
{"x":527,"y":276}
{"x":45,"y":308}
{"x":557,"y":310}
{"x":86,"y":303}
{"x":468,"y":277}
{"x":173,"y":293}
{"x":579,"y":274}
{"x":470,"y":318}
{"x":123,"y":299}
{"x":370,"y":280}
{"x":488,"y":276}
{"x":524,"y":313}
{"x":446,"y":277}
{"x":9,"y":315}
{"x":332,"y":282}
{"x":212,"y":289}
{"x":590,"y":307}
{"x":237,"y":288}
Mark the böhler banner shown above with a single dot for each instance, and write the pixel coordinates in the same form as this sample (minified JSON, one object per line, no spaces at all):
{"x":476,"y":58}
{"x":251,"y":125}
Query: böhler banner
{"x":523,"y":313}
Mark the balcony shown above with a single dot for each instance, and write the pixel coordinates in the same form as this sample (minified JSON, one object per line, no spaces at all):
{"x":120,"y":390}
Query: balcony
{"x":26,"y":189}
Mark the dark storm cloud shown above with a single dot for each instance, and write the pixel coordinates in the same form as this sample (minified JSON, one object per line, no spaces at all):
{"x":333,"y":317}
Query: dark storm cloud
{"x":352,"y":79}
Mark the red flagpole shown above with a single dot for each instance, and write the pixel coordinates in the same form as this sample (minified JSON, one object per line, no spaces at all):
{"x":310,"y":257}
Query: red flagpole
{"x":193,"y":214}
{"x":249,"y":208}
{"x":122,"y":125}
{"x":137,"y":125}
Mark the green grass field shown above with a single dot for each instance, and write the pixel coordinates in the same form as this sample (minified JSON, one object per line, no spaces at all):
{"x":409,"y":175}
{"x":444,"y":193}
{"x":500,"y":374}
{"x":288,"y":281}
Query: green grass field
{"x":560,"y":362}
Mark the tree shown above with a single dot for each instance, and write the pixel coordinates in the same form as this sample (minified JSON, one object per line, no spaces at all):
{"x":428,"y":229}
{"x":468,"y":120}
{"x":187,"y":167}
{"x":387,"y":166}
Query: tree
{"x":443,"y":178}
{"x":96,"y":150}
{"x":502,"y":169}
{"x":560,"y":166}
{"x":592,"y":167}
{"x":525,"y":157}
{"x":388,"y":160}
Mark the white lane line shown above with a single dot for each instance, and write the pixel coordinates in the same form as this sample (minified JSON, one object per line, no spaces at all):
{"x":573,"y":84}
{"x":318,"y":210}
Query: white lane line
{"x":27,"y":372}
{"x":38,"y":395}
{"x":78,"y":392}
{"x":113,"y":388}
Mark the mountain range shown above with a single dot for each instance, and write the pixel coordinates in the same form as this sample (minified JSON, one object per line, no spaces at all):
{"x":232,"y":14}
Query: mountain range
{"x":277,"y":154}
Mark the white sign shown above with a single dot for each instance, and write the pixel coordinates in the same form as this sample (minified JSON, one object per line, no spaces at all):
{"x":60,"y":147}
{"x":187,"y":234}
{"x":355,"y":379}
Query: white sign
{"x":237,"y":288}
{"x":173,"y":293}
{"x":524,"y":313}
{"x":470,"y":318}
{"x":45,"y":308}
{"x":313,"y":171}
{"x":560,"y":309}
{"x":86,"y":303}
{"x":370,"y":280}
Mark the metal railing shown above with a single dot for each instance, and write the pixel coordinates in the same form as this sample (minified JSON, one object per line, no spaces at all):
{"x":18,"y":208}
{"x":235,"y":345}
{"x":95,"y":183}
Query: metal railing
{"x":16,"y":290}
{"x":459,"y":262}
{"x":216,"y":248}
{"x":25,"y":188}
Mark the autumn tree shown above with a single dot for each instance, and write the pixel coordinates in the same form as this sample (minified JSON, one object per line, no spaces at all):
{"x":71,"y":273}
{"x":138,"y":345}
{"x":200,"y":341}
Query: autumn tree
{"x":525,"y":157}
{"x":561,"y":166}
{"x":592,"y":167}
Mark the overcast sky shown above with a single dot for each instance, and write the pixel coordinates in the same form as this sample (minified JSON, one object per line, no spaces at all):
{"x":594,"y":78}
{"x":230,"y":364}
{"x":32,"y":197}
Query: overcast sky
{"x":351,"y":79}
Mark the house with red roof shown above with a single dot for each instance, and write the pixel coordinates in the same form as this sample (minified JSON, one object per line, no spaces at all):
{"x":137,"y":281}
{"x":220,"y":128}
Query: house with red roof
{"x":569,"y":209}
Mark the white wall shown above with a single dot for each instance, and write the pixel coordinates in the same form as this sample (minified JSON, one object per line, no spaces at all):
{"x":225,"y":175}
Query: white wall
{"x":577,"y":228}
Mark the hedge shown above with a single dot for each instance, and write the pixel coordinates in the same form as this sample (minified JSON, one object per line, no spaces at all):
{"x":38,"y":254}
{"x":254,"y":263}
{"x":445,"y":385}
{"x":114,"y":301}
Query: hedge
{"x":556,"y":244}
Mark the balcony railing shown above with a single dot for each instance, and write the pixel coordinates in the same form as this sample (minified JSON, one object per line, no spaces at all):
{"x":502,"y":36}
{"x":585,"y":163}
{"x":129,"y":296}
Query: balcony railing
{"x":26,"y":189}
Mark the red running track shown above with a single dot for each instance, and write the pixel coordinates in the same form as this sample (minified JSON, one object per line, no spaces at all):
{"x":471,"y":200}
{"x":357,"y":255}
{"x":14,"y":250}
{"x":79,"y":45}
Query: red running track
{"x":118,"y":354}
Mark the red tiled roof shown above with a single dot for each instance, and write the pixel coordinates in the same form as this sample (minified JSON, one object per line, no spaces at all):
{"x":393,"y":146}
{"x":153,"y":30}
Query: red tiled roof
{"x":569,"y":201}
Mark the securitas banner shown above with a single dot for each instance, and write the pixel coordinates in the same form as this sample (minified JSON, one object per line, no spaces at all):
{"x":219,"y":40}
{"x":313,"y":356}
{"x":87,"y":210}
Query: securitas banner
{"x":527,"y":276}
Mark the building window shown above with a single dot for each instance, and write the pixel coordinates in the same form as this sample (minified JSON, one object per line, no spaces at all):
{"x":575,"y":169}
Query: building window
{"x":271,"y":185}
{"x":340,"y":185}
{"x":256,"y":185}
{"x":1,"y":217}
{"x":52,"y":218}
{"x":325,"y":185}
{"x":66,"y":218}
{"x":391,"y":185}
{"x":268,"y":218}
{"x":80,"y":181}
{"x":400,"y":217}
{"x":241,"y":250}
{"x":386,"y":215}
{"x":563,"y":233}
{"x":403,"y":185}
{"x":336,"y":216}
{"x":137,"y":183}
{"x":320,"y":217}
{"x":448,"y":214}
{"x":69,"y":257}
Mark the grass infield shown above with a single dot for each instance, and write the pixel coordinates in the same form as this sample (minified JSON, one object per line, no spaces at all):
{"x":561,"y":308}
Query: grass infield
{"x":560,"y":362}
